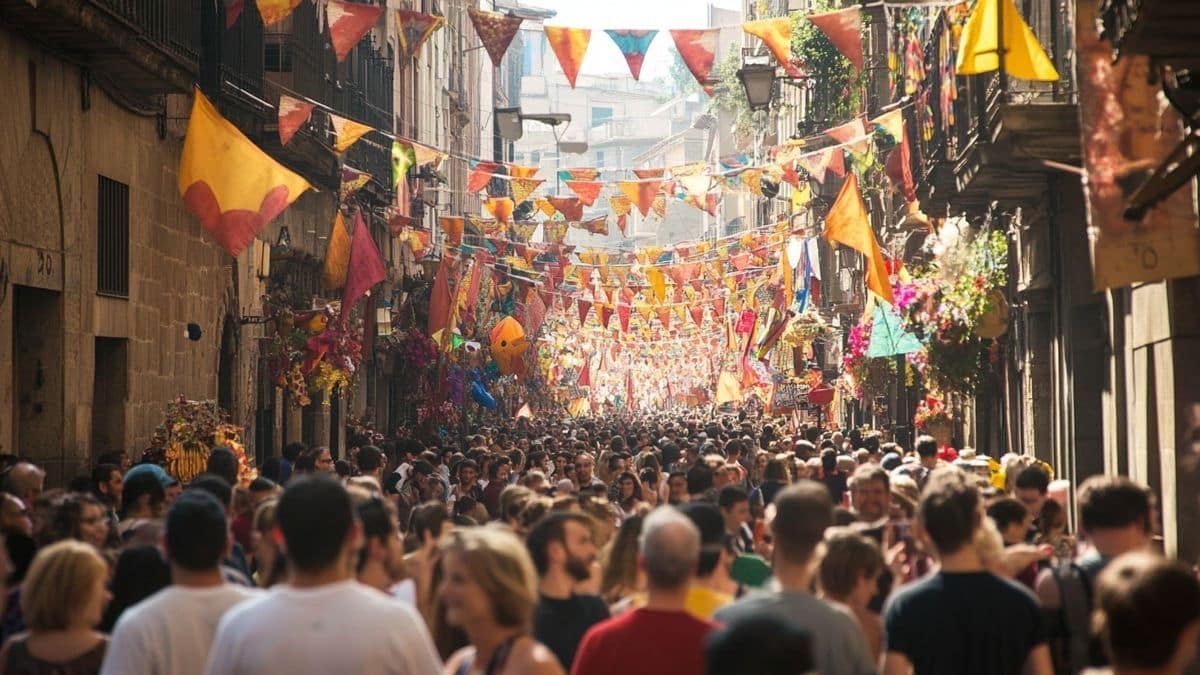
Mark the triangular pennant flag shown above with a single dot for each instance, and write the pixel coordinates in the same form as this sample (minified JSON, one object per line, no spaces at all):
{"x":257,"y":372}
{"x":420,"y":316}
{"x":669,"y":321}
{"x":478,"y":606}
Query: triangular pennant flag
{"x":844,"y":31}
{"x":698,"y":49}
{"x":495,"y":30}
{"x":654,"y":276}
{"x":523,"y":187}
{"x":348,"y":23}
{"x":366,"y":266}
{"x":623,"y":314}
{"x":697,"y":312}
{"x":776,"y":34}
{"x":569,"y":45}
{"x":890,"y":124}
{"x":353,"y":180}
{"x":233,"y":10}
{"x":293,"y":114}
{"x":837,"y":162}
{"x":337,"y":256}
{"x":816,"y":165}
{"x":585,"y":374}
{"x":695,"y":185}
{"x":659,"y":205}
{"x":583,"y":306}
{"x":579,"y":174}
{"x":645,"y":310}
{"x":622,"y":224}
{"x":853,"y":134}
{"x":718,"y":305}
{"x":570,"y":207}
{"x":274,"y":11}
{"x":228,"y":183}
{"x":604,"y":314}
{"x":413,"y":29}
{"x":633,"y":45}
{"x":426,"y":154}
{"x":664,"y":316}
{"x":480,"y":176}
{"x":453,"y":227}
{"x":501,"y":208}
{"x":439,"y":298}
{"x":752,"y":179}
{"x":555,"y":231}
{"x":1024,"y":57}
{"x":403,"y":159}
{"x":518,"y":171}
{"x":346,"y":132}
{"x":848,"y":223}
{"x":587,"y":191}
{"x":645,"y":174}
{"x":888,"y":337}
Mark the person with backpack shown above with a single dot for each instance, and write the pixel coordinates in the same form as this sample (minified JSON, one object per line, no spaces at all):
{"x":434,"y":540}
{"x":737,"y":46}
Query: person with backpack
{"x":1115,"y":518}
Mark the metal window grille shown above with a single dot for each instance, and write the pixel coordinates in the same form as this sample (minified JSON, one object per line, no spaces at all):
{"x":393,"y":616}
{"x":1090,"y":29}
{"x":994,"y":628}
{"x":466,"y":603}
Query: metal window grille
{"x":112,"y":243}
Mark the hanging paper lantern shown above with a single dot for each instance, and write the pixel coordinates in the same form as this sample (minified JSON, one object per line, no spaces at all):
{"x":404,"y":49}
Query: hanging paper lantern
{"x":482,"y":397}
{"x":508,"y":345}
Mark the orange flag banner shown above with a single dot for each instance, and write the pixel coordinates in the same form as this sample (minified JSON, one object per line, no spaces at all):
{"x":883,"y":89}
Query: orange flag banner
{"x":501,"y":208}
{"x":587,"y":191}
{"x":480,"y":176}
{"x":570,"y":207}
{"x":453,"y":226}
{"x":570,"y":46}
{"x":293,"y":114}
{"x":640,"y":193}
{"x":776,"y":34}
{"x":337,"y":256}
{"x":698,"y":49}
{"x":413,"y":29}
{"x":518,"y":171}
{"x":845,"y":32}
{"x":555,"y":231}
{"x":579,"y":174}
{"x":348,"y":23}
{"x":226,"y":181}
{"x":346,"y":132}
{"x":649,"y":173}
{"x":274,"y":11}
{"x":849,"y":224}
{"x":496,"y":31}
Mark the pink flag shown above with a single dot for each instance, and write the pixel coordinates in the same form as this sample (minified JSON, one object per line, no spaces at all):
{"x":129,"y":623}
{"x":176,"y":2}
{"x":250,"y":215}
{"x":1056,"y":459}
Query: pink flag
{"x":293,"y":114}
{"x":366,"y":266}
{"x":698,"y":48}
{"x":844,"y":31}
{"x":348,"y":23}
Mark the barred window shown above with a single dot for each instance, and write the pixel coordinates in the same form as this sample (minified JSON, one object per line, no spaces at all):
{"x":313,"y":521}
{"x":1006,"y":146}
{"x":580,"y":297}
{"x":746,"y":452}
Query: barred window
{"x":112,"y":242}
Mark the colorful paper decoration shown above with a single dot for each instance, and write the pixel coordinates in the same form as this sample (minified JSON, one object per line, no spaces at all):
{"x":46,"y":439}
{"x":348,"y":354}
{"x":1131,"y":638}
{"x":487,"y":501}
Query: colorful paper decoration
{"x":228,"y":183}
{"x":346,"y":132}
{"x":579,"y":174}
{"x":1024,"y":57}
{"x":633,"y":45}
{"x":508,"y":343}
{"x":481,"y":175}
{"x":403,"y":159}
{"x":849,"y":224}
{"x":570,"y":46}
{"x":453,"y":227}
{"x":495,"y":30}
{"x":555,"y":231}
{"x":366,"y":266}
{"x":413,"y":29}
{"x":852,"y":134}
{"x":776,"y":34}
{"x":353,"y":180}
{"x":293,"y":114}
{"x":501,"y":208}
{"x":523,"y":187}
{"x":274,"y":11}
{"x":698,"y":49}
{"x":888,"y":337}
{"x":587,"y":191}
{"x":233,"y":10}
{"x":348,"y":23}
{"x":337,"y":256}
{"x":570,"y":207}
{"x":844,"y":30}
{"x":641,"y":193}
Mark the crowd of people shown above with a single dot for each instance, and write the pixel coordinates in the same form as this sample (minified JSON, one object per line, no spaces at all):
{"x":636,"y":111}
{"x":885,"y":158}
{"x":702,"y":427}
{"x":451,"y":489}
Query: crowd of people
{"x":663,"y":544}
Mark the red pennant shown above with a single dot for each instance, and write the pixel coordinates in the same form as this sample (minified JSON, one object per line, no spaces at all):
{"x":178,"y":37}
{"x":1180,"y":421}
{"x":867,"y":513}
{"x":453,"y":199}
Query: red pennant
{"x":481,"y":175}
{"x":569,"y":45}
{"x":585,"y":374}
{"x":587,"y":191}
{"x":293,"y":114}
{"x":605,"y":313}
{"x":348,"y":23}
{"x":844,"y":30}
{"x":697,"y":314}
{"x":584,"y":306}
{"x":570,"y":207}
{"x":664,"y":315}
{"x":698,"y":49}
{"x":366,"y":266}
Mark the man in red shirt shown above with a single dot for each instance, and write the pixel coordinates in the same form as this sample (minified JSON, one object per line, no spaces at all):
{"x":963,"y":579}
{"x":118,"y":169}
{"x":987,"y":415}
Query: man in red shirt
{"x":660,"y":638}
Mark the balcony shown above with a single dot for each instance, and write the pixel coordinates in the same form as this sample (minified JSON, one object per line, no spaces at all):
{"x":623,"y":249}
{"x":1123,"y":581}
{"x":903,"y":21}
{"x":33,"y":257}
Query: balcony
{"x":989,"y":143}
{"x":1164,"y":30}
{"x":146,"y":47}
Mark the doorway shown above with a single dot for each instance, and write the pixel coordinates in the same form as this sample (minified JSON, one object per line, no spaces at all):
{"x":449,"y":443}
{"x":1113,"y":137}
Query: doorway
{"x":110,"y":391}
{"x":38,"y":378}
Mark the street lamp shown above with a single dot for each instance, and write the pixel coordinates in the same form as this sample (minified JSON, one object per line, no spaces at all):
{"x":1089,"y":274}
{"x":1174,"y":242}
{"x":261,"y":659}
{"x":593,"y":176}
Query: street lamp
{"x":509,"y":121}
{"x":759,"y":82}
{"x":429,"y":265}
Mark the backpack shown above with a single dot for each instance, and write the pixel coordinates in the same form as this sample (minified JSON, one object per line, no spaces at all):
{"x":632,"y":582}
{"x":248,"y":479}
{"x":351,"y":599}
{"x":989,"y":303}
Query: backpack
{"x":1072,"y":644}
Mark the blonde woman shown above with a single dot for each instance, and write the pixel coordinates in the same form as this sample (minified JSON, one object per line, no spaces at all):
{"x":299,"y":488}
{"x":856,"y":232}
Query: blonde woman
{"x":62,"y":600}
{"x":488,"y":592}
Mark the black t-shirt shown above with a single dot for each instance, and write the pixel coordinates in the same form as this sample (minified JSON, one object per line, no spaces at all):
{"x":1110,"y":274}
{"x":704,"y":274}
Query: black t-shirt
{"x":946,"y":624}
{"x":836,"y":484}
{"x":560,"y":624}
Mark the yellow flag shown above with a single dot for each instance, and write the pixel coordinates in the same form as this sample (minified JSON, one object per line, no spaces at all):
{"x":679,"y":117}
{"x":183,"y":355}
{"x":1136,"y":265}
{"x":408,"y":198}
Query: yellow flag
{"x":728,"y":389}
{"x":1024,"y":57}
{"x":337,"y":256}
{"x":801,"y":197}
{"x":347,"y":132}
{"x":849,"y":224}
{"x":785,"y":269}
{"x":226,"y":181}
{"x":655,"y":278}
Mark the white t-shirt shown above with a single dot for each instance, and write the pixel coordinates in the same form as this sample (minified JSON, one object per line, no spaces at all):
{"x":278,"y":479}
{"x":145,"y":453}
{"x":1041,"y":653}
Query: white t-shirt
{"x":170,"y":632}
{"x":345,"y":628}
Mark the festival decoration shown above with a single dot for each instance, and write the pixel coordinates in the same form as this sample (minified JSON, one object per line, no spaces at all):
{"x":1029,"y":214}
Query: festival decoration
{"x":274,"y":11}
{"x":346,"y":132}
{"x":189,"y":432}
{"x":293,"y":114}
{"x":496,"y":31}
{"x":698,"y":49}
{"x":1024,"y":57}
{"x":776,"y":34}
{"x":843,"y":29}
{"x":228,"y":183}
{"x":348,"y":23}
{"x":570,"y":46}
{"x":413,"y":29}
{"x":353,"y":180}
{"x":847,"y":223}
{"x":508,"y":344}
{"x":366,"y":267}
{"x":633,"y":45}
{"x":337,"y":256}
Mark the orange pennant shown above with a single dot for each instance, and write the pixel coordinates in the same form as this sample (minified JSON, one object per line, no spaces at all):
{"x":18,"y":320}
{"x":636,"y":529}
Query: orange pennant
{"x":587,"y":191}
{"x":848,"y":223}
{"x":776,"y":34}
{"x":570,"y":207}
{"x":453,"y":227}
{"x":501,"y":208}
{"x":569,"y":45}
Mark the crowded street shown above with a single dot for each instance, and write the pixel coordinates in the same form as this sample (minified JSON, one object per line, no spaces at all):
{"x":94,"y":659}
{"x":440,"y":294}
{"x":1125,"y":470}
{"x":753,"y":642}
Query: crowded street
{"x":551,"y":337}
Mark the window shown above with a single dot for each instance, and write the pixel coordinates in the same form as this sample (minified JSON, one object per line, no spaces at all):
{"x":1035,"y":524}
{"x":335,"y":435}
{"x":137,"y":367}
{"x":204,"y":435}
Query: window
{"x":112,"y":242}
{"x":531,"y":54}
{"x":535,"y":158}
{"x":600,"y":159}
{"x":601,"y":115}
{"x":277,"y":53}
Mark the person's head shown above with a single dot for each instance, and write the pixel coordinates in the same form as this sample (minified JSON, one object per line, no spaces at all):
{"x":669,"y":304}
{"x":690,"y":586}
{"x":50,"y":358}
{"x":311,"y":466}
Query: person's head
{"x":107,"y":483}
{"x":118,"y":458}
{"x":318,"y":525}
{"x":382,"y":549}
{"x":562,"y":542}
{"x":214,"y":485}
{"x":487,"y":579}
{"x":1148,"y":613}
{"x":699,"y":479}
{"x":803,"y":511}
{"x":293,"y":450}
{"x":677,"y":486}
{"x":714,"y":539}
{"x":1114,"y":512}
{"x":143,"y":493}
{"x":949,"y":511}
{"x":1053,"y":518}
{"x":870,"y":493}
{"x":763,"y":644}
{"x":268,"y":558}
{"x":25,"y":481}
{"x":1012,"y":519}
{"x":196,"y":534}
{"x":1031,"y":487}
{"x":140,"y":572}
{"x":584,"y":466}
{"x":850,"y":567}
{"x":927,"y":451}
{"x":468,"y":472}
{"x":428,"y":519}
{"x":65,"y":588}
{"x":80,"y":517}
{"x":668,"y":549}
{"x":222,"y":462}
{"x":629,"y":488}
{"x":15,"y":517}
{"x":734,"y":502}
{"x":370,"y":460}
{"x":322,"y":460}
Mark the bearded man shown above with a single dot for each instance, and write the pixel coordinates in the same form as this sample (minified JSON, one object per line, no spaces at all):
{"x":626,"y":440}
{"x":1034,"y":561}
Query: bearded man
{"x":563,"y":552}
